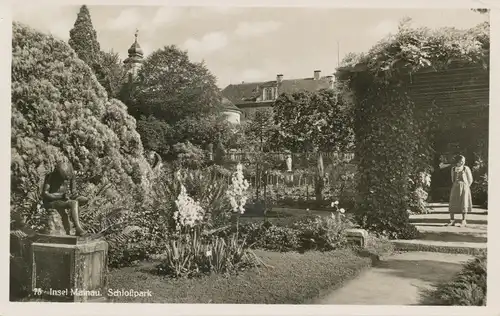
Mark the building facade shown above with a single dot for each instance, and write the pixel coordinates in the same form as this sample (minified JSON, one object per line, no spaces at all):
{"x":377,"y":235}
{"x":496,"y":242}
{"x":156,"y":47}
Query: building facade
{"x":250,"y":97}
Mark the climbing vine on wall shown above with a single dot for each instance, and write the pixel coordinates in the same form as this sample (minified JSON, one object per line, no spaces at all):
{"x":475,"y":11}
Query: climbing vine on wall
{"x":385,"y":146}
{"x":393,"y":137}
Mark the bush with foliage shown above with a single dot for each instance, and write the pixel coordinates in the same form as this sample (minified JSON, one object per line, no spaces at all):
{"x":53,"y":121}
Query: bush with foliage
{"x":188,"y":156}
{"x":480,"y":186}
{"x":61,"y":113}
{"x":278,"y":238}
{"x":390,"y":145}
{"x":322,"y":233}
{"x":467,"y":288}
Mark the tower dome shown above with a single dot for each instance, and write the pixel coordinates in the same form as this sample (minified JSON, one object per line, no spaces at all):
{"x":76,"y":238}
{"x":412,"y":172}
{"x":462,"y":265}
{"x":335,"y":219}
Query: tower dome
{"x":135,"y":52}
{"x":135,"y":59}
{"x":135,"y":49}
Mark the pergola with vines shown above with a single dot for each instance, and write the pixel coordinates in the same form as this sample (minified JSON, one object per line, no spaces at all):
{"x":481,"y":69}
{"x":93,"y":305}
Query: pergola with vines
{"x":415,"y":93}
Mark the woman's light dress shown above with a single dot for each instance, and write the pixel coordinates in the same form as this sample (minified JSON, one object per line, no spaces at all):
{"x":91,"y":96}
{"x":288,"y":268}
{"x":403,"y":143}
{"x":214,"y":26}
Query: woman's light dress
{"x":460,"y":196}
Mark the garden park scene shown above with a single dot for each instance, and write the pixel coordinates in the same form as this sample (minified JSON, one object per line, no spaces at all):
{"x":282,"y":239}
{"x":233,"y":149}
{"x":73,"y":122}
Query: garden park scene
{"x":137,"y":174}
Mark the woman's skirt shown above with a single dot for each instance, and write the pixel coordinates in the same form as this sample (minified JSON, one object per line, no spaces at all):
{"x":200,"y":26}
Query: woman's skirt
{"x":460,"y":198}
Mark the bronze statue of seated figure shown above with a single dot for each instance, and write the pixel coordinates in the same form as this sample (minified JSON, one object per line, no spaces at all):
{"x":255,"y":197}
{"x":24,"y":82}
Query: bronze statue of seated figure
{"x":58,"y":194}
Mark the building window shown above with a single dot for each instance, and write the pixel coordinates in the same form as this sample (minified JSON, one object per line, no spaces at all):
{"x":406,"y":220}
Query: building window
{"x":270,"y":93}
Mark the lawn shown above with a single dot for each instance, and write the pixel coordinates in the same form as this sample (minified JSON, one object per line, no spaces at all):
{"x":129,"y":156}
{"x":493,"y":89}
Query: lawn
{"x":291,"y":278}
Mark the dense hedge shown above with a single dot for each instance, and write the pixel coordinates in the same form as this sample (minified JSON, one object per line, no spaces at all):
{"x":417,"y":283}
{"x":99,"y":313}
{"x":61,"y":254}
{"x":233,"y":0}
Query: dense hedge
{"x":393,"y":137}
{"x":60,"y":112}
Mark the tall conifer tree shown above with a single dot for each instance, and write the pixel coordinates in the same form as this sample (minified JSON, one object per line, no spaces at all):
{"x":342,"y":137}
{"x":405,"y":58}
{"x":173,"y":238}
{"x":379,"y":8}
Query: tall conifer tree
{"x":83,"y":39}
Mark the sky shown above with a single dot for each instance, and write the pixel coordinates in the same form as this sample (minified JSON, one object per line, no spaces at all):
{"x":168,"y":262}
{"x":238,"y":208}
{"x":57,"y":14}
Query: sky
{"x":241,"y":44}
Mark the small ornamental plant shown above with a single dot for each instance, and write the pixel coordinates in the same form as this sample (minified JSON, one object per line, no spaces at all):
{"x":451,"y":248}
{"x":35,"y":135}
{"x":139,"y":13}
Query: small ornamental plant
{"x":238,"y":191}
{"x":338,"y":213}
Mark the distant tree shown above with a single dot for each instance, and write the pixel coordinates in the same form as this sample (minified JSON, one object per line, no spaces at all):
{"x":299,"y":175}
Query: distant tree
{"x":350,"y":59}
{"x":313,"y":122}
{"x":106,"y":66}
{"x":178,"y":96}
{"x":258,"y":129}
{"x":111,"y":73}
{"x":170,"y":87}
{"x":205,"y":130}
{"x":83,"y":39}
{"x":160,"y":136}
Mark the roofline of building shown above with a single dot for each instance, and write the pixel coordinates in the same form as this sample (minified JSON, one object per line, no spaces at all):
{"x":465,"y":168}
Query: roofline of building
{"x":276,"y":81}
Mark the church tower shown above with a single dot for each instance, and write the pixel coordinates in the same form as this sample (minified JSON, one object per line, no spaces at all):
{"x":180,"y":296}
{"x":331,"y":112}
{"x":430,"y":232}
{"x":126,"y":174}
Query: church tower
{"x":135,"y":58}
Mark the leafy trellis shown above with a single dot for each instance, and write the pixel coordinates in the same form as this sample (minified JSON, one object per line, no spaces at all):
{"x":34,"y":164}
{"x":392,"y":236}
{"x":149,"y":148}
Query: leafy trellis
{"x":393,"y":136}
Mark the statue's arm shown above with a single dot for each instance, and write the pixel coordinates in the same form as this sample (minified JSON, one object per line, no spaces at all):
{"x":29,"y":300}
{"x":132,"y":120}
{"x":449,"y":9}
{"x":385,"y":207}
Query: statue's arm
{"x":47,"y":194}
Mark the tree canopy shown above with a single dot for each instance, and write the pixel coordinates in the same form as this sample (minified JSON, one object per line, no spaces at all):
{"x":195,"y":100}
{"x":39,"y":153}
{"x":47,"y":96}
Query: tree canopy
{"x":107,"y":66}
{"x":83,"y":38}
{"x":258,"y":130}
{"x":306,"y":121}
{"x":170,"y":87}
{"x":111,"y":73}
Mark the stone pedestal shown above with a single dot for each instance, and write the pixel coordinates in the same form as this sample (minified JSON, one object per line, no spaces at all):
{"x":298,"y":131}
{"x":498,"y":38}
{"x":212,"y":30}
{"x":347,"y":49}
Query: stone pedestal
{"x":357,"y":237}
{"x":69,"y":268}
{"x":20,"y":264}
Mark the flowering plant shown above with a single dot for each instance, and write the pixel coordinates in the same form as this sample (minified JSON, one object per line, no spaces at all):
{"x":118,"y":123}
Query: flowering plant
{"x":338,"y":213}
{"x":189,"y":213}
{"x":237,"y":192}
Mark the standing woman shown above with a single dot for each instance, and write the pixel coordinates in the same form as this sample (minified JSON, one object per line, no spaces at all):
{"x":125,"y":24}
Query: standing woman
{"x":460,"y":196}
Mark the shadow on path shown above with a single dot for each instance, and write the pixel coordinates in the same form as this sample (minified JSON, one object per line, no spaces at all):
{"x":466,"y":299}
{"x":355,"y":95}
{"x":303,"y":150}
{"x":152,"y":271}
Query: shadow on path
{"x":453,"y":237}
{"x":425,"y":270}
{"x":445,"y":220}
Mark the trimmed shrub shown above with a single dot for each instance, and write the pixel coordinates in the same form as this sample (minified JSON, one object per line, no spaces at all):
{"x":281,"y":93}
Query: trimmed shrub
{"x":468,"y":287}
